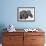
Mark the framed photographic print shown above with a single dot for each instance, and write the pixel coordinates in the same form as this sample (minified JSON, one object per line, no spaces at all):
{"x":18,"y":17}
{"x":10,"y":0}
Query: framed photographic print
{"x":26,"y":14}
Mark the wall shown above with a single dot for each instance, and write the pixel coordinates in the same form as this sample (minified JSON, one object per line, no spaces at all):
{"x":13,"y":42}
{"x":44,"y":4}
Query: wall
{"x":9,"y":13}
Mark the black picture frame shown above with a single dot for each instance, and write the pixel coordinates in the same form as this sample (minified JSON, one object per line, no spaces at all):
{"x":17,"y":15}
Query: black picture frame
{"x":26,"y":14}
